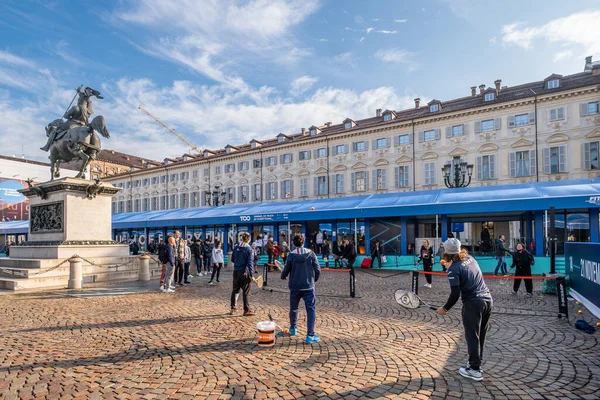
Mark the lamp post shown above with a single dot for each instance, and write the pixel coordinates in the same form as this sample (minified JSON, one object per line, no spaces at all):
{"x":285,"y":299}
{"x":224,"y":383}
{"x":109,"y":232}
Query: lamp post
{"x":462,"y":173}
{"x":216,"y":197}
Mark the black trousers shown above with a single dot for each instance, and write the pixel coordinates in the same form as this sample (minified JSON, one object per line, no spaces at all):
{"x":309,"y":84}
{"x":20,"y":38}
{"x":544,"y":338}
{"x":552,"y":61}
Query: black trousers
{"x":428,"y":267}
{"x":179,"y":269}
{"x":241,"y":281}
{"x":216,"y":270}
{"x":476,"y":319}
{"x":378,"y":258}
{"x":525,"y":271}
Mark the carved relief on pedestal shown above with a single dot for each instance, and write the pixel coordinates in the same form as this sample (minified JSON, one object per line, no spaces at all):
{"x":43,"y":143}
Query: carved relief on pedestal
{"x":47,"y":218}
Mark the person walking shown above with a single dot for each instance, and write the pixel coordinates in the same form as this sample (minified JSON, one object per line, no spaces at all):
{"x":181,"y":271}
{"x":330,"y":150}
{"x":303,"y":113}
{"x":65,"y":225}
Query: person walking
{"x":319,"y":241}
{"x":349,"y":255}
{"x":243,"y":269}
{"x":285,"y":250}
{"x":303,"y":269}
{"x":197,"y":249}
{"x":207,"y":253}
{"x":171,"y":263}
{"x":376,"y":254}
{"x":186,"y":265}
{"x":256,"y":251}
{"x":501,"y":256}
{"x":179,"y":257}
{"x":270,"y":253}
{"x":217,"y":259}
{"x":426,"y":257}
{"x":163,"y":257}
{"x":523,"y":260}
{"x":466,"y":282}
{"x":326,"y":252}
{"x":439,"y":253}
{"x":260,"y":243}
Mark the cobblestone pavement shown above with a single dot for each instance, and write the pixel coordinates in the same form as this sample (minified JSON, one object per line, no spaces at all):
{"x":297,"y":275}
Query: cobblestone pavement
{"x":186,"y":345}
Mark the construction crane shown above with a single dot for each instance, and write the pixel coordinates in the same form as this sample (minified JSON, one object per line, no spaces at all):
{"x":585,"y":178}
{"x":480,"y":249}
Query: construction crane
{"x":184,"y":140}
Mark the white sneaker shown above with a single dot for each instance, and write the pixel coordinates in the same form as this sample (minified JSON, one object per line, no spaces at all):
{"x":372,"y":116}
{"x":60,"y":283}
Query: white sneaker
{"x":426,"y":285}
{"x":471,"y":374}
{"x":162,"y":288}
{"x":200,"y":274}
{"x":210,"y":283}
{"x":190,"y":276}
{"x":169,"y":291}
{"x":172,"y":287}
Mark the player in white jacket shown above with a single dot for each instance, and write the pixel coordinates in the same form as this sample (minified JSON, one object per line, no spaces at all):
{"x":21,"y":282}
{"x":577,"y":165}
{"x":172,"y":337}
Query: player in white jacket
{"x":217,"y":259}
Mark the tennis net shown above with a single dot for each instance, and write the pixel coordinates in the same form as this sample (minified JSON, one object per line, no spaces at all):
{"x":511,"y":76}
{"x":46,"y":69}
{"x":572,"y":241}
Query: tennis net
{"x":523,"y":295}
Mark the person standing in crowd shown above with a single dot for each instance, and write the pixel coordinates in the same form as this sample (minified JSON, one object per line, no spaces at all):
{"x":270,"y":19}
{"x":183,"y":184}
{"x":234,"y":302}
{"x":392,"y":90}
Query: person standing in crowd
{"x":501,"y":256}
{"x":466,"y":282}
{"x":259,"y":244}
{"x":523,"y":260}
{"x":197,"y":253}
{"x":285,"y":250}
{"x":179,"y":256}
{"x":171,"y":262}
{"x":349,"y":255}
{"x":270,"y":246}
{"x":243,"y":270}
{"x":337,"y":255}
{"x":376,"y":254}
{"x":186,"y":265}
{"x":439,"y":254}
{"x":207,"y":253}
{"x":319,"y":241}
{"x":218,"y":260}
{"x":326,"y":252}
{"x":426,"y":257}
{"x":303,"y":269}
{"x":163,"y":257}
{"x":256,"y":254}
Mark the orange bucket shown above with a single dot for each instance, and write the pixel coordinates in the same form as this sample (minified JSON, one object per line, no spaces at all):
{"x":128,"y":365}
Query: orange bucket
{"x":266,"y":333}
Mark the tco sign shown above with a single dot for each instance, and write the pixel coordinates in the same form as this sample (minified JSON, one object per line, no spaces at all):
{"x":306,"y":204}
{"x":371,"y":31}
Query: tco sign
{"x":245,"y":218}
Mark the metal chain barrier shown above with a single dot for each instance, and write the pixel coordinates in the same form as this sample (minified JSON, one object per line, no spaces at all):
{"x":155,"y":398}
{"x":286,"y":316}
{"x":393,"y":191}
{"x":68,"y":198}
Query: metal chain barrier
{"x":21,"y":274}
{"x":133,"y":259}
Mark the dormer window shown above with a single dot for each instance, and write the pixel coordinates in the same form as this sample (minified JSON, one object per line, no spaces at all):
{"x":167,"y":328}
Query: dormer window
{"x":434,"y":107}
{"x":254,"y":143}
{"x":348,"y":125}
{"x":313,"y":132}
{"x":489,"y":96}
{"x":553,"y":84}
{"x":387,"y":117}
{"x":280,"y":139}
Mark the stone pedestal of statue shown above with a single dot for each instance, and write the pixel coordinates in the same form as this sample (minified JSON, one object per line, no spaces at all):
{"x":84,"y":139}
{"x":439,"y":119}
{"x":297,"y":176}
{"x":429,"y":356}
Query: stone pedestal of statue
{"x":69,"y":216}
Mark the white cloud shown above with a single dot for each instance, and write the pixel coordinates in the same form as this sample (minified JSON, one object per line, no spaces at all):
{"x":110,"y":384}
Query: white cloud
{"x":398,"y":56}
{"x":369,"y":30}
{"x":375,"y":19}
{"x":576,"y":29}
{"x":562,"y":55}
{"x":303,"y":84}
{"x":8,"y":58}
{"x":493,"y":40}
{"x":361,"y":39}
{"x":401,"y":21}
{"x":387,"y":32}
{"x":323,"y":40}
{"x":344,"y":57}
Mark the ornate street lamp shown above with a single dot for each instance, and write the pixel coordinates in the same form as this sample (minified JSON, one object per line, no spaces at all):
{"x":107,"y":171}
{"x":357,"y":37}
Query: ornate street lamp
{"x":216,"y":197}
{"x":462,"y":173}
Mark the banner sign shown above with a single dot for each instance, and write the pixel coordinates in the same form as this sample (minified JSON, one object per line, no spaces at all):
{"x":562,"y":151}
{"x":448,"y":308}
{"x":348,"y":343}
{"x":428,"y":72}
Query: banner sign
{"x":583,"y":268}
{"x":13,"y":205}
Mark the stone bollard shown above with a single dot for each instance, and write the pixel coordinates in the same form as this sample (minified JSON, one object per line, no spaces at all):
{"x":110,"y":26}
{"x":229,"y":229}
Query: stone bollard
{"x":144,"y":275}
{"x":76,"y":273}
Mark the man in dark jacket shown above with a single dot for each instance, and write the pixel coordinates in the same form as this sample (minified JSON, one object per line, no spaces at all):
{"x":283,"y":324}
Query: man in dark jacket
{"x":523,"y":261}
{"x":197,"y":252}
{"x":303,"y":269}
{"x":376,"y":254}
{"x":207,"y":253}
{"x":501,"y":256}
{"x":349,"y":253}
{"x":243,"y":269}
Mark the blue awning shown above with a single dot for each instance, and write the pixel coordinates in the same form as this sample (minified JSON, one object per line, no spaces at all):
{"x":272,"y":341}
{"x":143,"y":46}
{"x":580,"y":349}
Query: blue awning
{"x":14,"y":227}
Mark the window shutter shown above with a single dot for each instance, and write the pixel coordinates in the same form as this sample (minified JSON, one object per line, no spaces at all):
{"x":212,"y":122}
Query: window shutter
{"x":553,"y":114}
{"x":374,"y":179}
{"x":308,"y":155}
{"x":546,"y":154}
{"x":426,"y":173}
{"x":406,"y":174}
{"x":240,"y":165}
{"x":479,"y":167}
{"x":240,"y":195}
{"x":342,"y":190}
{"x":562,"y":112}
{"x":366,"y":180}
{"x":511,"y":121}
{"x":333,"y":150}
{"x":274,"y":160}
{"x":354,"y":147}
{"x":397,"y":177}
{"x":562,"y":159}
{"x":410,"y":138}
{"x":492,"y":161}
{"x":346,"y":148}
{"x":316,"y":153}
{"x":512,"y":161}
{"x":275,"y":189}
{"x":477,"y":126}
{"x":583,"y":109}
{"x":448,"y":131}
{"x":421,"y":137}
{"x":282,"y":193}
{"x":332,"y":183}
{"x":532,"y":163}
{"x":366,"y":142}
{"x":531,"y":118}
{"x":396,"y":141}
{"x":498,"y":123}
{"x":292,"y":189}
{"x":374,"y":143}
{"x":316,"y":187}
{"x":438,"y":134}
{"x":281,"y":158}
{"x":383,"y":179}
{"x":465,"y":129}
{"x":587,"y":162}
{"x":353,"y":181}
{"x":388,"y":142}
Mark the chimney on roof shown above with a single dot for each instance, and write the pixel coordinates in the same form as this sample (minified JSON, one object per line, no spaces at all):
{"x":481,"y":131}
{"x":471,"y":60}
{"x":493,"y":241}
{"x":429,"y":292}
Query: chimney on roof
{"x":588,"y":61}
{"x":497,"y":82}
{"x":378,"y":112}
{"x":303,"y":131}
{"x":417,"y":102}
{"x":473,"y":90}
{"x":328,"y":124}
{"x":481,"y":89}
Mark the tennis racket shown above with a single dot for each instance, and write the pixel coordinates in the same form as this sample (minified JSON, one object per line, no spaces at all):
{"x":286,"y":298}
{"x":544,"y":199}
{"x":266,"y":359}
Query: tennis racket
{"x":408,"y":299}
{"x":278,"y":265}
{"x":258,"y":281}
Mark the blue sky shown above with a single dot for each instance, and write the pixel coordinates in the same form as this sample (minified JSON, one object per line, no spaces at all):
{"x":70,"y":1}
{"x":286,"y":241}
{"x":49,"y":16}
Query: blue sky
{"x":225,"y":71}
